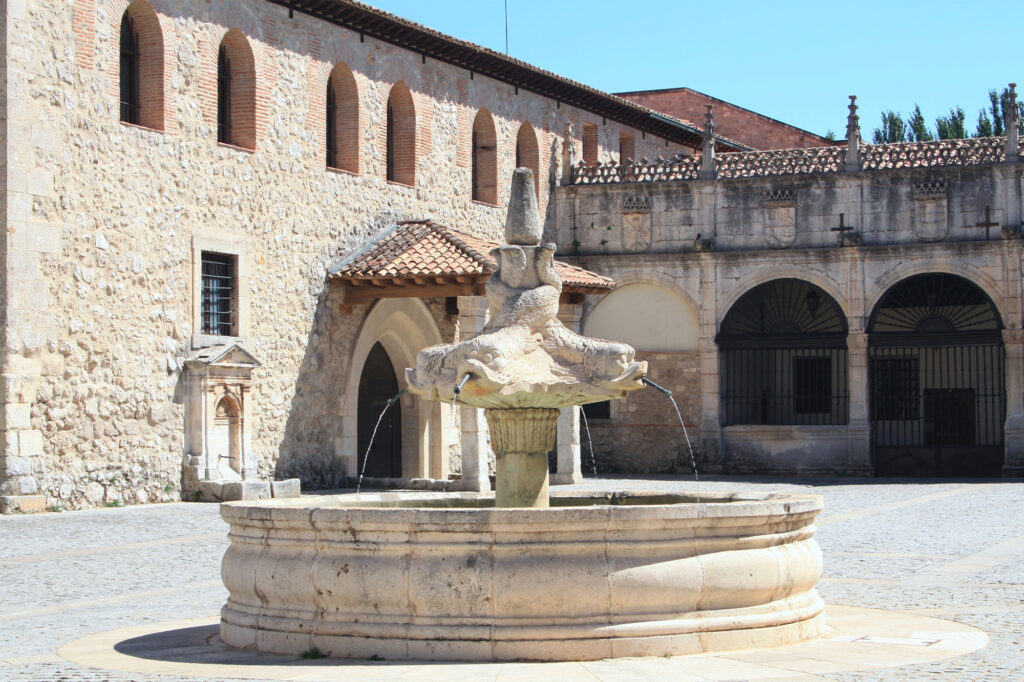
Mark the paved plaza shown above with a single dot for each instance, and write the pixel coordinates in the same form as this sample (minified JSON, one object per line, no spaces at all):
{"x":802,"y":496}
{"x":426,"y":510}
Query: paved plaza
{"x":945,"y":549}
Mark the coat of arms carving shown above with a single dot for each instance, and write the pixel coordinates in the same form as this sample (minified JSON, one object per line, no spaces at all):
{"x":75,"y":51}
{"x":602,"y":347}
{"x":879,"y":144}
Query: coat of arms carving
{"x":779,"y":218}
{"x":930,"y":222}
{"x":636,"y":224}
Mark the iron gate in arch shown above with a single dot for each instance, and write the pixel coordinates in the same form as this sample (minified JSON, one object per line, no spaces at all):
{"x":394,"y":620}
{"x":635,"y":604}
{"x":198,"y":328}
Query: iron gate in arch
{"x":783,"y":357}
{"x":936,"y":380}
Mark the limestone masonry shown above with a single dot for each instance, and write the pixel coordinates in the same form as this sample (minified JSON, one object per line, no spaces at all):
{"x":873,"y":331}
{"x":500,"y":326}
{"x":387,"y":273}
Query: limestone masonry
{"x":180,"y":178}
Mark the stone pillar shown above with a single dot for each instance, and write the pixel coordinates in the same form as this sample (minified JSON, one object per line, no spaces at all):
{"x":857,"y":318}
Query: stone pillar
{"x":476,"y":448}
{"x":568,"y":469}
{"x":521,"y":439}
{"x":711,"y":451}
{"x":858,"y":451}
{"x":1013,"y":429}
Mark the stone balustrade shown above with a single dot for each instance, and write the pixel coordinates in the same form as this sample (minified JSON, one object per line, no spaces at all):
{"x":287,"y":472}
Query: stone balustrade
{"x":775,"y":162}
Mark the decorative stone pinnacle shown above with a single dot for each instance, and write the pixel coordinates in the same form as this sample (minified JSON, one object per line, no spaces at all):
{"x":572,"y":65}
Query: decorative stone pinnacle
{"x":522,"y":222}
{"x":1012,"y":119}
{"x":853,"y":137}
{"x":708,"y":170}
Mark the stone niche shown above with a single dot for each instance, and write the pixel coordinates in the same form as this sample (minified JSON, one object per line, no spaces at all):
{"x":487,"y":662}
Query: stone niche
{"x":218,"y":443}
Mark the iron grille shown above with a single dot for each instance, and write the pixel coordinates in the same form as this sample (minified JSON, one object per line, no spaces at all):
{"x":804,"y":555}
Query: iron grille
{"x":784,"y":385}
{"x":129,"y":71}
{"x":218,"y":299}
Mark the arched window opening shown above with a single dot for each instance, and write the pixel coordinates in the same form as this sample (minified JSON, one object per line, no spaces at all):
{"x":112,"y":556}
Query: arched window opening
{"x":377,"y":384}
{"x":783,"y":357}
{"x":236,"y":91}
{"x":342,"y":133}
{"x":589,"y":144}
{"x":627,"y":148}
{"x":936,"y":379}
{"x":485,"y":159}
{"x":527,"y":152}
{"x":141,"y":73}
{"x":129,"y":71}
{"x":400,"y":136}
{"x":226,"y":435}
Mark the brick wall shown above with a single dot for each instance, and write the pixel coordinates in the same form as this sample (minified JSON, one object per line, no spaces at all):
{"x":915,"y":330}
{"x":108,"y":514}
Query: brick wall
{"x":731,"y":121}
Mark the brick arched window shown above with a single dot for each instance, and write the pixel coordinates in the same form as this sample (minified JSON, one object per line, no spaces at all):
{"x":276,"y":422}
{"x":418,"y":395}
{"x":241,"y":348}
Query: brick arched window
{"x":236,"y":91}
{"x":342,"y":133}
{"x":527,"y":152}
{"x":142,"y":67}
{"x":400,"y":136}
{"x":590,"y":144}
{"x":485,"y":158}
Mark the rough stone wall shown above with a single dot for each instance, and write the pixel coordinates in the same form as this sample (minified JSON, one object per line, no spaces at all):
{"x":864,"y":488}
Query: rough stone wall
{"x":906,"y":222}
{"x":643,"y":434}
{"x":101,"y":217}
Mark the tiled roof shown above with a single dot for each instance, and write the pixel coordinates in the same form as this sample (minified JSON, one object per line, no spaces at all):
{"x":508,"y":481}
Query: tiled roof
{"x":364,"y":19}
{"x":423,"y":249}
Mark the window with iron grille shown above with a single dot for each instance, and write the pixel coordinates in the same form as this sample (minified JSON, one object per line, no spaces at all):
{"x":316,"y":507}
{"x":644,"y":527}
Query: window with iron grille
{"x":224,"y":97}
{"x":218,"y":296}
{"x":129,"y":71}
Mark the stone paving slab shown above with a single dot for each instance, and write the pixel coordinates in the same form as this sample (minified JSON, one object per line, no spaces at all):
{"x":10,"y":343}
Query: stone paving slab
{"x":948,"y":549}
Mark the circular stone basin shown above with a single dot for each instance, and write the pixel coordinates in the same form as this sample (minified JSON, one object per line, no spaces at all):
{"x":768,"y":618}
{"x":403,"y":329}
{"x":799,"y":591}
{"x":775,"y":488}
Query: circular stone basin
{"x":446,"y":576}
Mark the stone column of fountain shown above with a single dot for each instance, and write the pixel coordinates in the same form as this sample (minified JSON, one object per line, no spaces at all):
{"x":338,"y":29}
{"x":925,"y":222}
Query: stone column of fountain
{"x":524,"y":365}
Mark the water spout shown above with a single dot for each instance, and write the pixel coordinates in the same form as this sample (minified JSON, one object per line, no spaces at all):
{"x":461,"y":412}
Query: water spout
{"x":656,"y":386}
{"x":458,"y":389}
{"x":395,"y":398}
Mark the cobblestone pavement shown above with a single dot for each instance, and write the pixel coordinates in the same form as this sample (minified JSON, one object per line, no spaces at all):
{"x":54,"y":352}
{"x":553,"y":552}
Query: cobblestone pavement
{"x":951,"y":549}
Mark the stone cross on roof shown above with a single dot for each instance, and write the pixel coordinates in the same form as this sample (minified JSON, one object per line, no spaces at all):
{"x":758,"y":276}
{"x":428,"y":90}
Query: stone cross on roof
{"x":707,"y":154}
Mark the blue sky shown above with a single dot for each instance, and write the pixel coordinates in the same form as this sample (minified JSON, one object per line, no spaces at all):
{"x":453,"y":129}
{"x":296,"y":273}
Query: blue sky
{"x":794,"y":61}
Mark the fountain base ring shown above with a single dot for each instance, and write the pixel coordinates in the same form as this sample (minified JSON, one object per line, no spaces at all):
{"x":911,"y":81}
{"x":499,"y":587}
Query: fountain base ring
{"x":609,"y":575}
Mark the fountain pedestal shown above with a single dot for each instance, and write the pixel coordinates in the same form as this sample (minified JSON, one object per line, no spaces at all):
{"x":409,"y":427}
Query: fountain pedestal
{"x":521,"y":439}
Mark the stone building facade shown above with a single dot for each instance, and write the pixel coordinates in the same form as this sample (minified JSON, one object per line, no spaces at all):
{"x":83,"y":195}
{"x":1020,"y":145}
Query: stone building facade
{"x":181,"y":176}
{"x":140,"y":138}
{"x":849,"y":310}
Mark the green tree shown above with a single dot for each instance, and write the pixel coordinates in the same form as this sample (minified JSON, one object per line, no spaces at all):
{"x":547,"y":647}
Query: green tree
{"x":918,"y":128}
{"x":952,"y":127}
{"x":893,"y":129}
{"x":985,"y":128}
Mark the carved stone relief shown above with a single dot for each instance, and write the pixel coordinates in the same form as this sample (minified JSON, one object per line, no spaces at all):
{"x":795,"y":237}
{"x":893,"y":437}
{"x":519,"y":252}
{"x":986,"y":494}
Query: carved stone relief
{"x":636,"y":223}
{"x":779,"y":218}
{"x":930,"y":222}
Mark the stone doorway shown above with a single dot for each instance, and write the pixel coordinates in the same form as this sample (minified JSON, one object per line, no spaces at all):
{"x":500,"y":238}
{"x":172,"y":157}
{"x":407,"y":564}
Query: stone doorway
{"x":377,"y":384}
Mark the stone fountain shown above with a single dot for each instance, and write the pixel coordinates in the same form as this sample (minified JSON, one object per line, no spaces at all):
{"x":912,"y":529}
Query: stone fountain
{"x":522,"y":575}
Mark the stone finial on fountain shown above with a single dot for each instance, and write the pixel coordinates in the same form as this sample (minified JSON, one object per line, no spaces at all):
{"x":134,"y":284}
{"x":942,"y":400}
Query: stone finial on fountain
{"x":522,"y":222}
